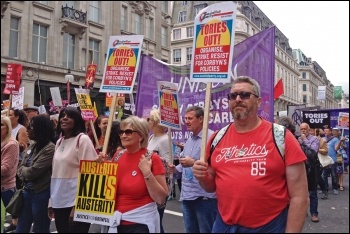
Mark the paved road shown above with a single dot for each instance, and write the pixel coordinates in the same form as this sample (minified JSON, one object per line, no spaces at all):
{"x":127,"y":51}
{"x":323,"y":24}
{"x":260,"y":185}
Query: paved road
{"x":333,"y":214}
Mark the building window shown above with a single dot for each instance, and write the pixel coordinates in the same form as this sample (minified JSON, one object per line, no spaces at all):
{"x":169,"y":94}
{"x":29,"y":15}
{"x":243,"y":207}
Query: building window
{"x":165,"y":6}
{"x":14,"y":37}
{"x":137,"y":24}
{"x":304,"y":75}
{"x":164,"y":32}
{"x":184,"y":3}
{"x":182,"y":16}
{"x":150,"y":31}
{"x":189,"y":31}
{"x":124,"y":18}
{"x":94,"y":13}
{"x":177,"y":55}
{"x":247,"y":27}
{"x":94,"y":51}
{"x":253,"y":31}
{"x":39,"y":43}
{"x":68,"y":50}
{"x":177,"y":34}
{"x":304,"y":99}
{"x":304,"y":87}
{"x":189,"y":53}
{"x":198,"y":8}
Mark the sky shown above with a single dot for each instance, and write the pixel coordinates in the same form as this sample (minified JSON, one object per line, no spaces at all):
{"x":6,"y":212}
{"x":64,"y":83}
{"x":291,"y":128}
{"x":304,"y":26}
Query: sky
{"x":319,"y":29}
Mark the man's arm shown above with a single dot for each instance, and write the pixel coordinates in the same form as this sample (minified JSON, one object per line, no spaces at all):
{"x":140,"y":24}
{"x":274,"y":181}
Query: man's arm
{"x":205,"y":175}
{"x":298,"y":192}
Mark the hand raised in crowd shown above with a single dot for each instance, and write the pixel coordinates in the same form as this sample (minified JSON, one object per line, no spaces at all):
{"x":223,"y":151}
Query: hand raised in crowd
{"x":187,"y":161}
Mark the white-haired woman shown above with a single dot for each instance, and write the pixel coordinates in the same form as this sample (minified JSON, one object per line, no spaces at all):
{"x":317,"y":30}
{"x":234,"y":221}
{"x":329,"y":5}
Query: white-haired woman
{"x":141,"y":180}
{"x":159,"y":143}
{"x":9,"y":160}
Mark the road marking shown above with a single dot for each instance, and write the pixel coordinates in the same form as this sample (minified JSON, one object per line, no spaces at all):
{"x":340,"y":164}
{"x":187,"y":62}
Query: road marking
{"x":173,"y":213}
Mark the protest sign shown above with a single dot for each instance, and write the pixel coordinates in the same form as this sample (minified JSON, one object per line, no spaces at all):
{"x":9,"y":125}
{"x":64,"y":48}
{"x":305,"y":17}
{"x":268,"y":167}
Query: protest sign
{"x":85,"y":104}
{"x":169,"y":105}
{"x":56,"y":96}
{"x":214,"y":30}
{"x":17,"y":99}
{"x":316,"y":119}
{"x":13,"y":78}
{"x":123,"y":56}
{"x":90,"y":76}
{"x":96,"y":193}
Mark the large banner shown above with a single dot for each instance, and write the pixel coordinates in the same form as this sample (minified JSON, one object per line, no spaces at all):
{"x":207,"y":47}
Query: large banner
{"x":254,"y":57}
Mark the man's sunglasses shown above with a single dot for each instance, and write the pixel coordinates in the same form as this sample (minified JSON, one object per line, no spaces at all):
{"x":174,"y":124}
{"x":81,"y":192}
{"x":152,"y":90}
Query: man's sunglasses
{"x":127,"y":132}
{"x":242,"y":95}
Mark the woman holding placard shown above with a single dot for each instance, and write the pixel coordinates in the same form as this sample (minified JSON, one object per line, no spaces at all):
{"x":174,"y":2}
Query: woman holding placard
{"x":73,"y":146}
{"x":141,"y":180}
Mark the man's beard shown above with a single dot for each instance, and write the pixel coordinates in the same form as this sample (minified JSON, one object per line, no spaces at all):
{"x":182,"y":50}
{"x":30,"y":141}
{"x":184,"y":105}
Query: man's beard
{"x":240,"y":115}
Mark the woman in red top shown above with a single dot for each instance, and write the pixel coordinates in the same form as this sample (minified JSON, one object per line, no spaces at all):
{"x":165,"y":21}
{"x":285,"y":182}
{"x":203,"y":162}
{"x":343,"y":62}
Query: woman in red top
{"x":141,"y":179}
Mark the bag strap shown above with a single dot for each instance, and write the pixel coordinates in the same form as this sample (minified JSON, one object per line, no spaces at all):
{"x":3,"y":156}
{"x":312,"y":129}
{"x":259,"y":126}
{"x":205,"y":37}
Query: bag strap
{"x":279,"y":134}
{"x":217,"y":139}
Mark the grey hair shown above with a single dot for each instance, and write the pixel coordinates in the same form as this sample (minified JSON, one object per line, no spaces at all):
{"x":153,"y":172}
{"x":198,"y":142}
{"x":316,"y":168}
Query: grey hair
{"x":199,"y":110}
{"x":287,"y":123}
{"x":140,"y":125}
{"x":247,"y":79}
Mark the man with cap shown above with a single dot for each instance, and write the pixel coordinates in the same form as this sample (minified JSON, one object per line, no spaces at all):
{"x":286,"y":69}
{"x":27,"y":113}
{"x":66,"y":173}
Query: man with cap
{"x":31,"y":112}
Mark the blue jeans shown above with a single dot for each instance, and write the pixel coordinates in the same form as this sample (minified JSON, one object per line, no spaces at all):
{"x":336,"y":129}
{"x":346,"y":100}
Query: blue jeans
{"x":34,"y":211}
{"x":6,"y":195}
{"x":313,"y":202}
{"x":331,"y":170}
{"x":277,"y":225}
{"x":199,"y":215}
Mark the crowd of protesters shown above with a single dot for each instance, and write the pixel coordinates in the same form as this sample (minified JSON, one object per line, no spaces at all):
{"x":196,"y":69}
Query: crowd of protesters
{"x":42,"y":155}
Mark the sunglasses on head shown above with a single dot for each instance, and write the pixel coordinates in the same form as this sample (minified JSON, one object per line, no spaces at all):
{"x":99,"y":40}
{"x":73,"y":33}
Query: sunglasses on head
{"x":243,"y":95}
{"x":127,"y":132}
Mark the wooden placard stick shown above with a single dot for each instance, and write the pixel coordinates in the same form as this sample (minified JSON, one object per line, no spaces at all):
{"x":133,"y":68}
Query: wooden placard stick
{"x":205,"y":121}
{"x":94,"y":133}
{"x":110,"y":122}
{"x":170,"y":151}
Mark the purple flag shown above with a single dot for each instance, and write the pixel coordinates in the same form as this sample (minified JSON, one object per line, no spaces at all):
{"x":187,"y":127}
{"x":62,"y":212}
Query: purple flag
{"x":255,"y":57}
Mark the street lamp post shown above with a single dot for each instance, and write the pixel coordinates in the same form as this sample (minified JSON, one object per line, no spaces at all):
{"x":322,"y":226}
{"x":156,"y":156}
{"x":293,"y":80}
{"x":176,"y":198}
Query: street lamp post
{"x":68,"y":78}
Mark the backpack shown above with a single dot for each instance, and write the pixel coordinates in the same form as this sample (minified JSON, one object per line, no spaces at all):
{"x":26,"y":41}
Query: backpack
{"x":278,"y":133}
{"x":312,"y":158}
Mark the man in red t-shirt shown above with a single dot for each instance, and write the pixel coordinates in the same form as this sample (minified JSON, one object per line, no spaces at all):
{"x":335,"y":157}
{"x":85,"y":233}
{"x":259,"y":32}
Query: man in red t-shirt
{"x":257,"y":189}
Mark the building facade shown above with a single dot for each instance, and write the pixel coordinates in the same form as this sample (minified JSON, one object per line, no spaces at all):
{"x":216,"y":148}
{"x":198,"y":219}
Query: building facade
{"x":50,"y":38}
{"x":250,"y":20}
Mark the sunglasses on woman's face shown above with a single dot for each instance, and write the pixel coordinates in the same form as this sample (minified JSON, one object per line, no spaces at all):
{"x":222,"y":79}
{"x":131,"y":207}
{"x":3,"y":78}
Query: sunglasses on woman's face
{"x":127,"y":132}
